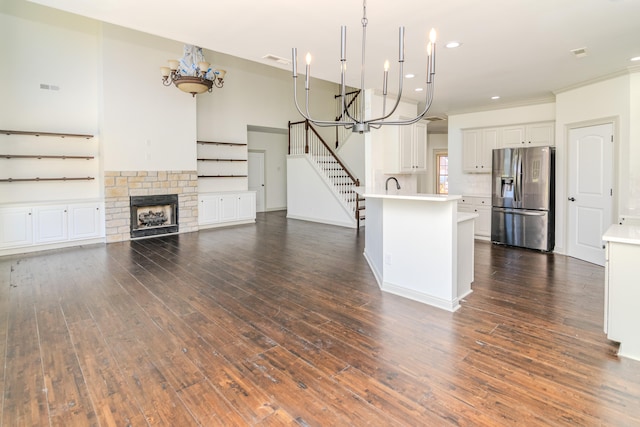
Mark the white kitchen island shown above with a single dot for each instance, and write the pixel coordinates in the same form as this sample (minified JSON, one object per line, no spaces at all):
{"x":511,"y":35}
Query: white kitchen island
{"x":419,"y":247}
{"x":622,"y":288}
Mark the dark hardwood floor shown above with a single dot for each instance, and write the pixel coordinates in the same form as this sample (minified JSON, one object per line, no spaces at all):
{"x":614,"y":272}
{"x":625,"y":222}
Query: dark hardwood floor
{"x":282,"y":323}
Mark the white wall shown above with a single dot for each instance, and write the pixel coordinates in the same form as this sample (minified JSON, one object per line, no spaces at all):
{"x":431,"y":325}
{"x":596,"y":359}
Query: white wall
{"x":274,"y":144}
{"x":43,"y":46}
{"x":145,"y":126}
{"x":110,"y":86}
{"x":609,"y":100}
{"x":310,"y":197}
{"x":253,"y":95}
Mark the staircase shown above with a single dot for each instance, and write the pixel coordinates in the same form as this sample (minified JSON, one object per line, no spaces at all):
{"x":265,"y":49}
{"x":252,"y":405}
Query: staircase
{"x":305,"y":140}
{"x":352,"y":101}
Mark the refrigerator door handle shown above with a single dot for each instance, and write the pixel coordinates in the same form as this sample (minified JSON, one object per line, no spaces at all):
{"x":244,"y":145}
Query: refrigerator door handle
{"x":517,"y":191}
{"x":521,"y":212}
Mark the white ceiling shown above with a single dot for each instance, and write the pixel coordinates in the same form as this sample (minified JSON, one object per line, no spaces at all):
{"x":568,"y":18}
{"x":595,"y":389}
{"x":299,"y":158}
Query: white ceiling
{"x":517,"y":49}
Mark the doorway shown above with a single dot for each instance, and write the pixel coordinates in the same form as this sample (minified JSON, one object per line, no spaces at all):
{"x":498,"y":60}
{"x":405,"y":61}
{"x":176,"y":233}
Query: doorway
{"x":257,"y":178}
{"x":590,"y":191}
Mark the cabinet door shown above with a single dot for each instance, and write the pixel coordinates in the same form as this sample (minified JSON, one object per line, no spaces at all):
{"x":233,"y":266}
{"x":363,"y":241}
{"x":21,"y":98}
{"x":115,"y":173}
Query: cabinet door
{"x":247,"y":205}
{"x":540,"y":134}
{"x":84,"y":221}
{"x":483,"y":222}
{"x":209,"y":211}
{"x":229,"y":207}
{"x":513,"y":136}
{"x":420,"y":147}
{"x":51,"y":224}
{"x":406,"y":149}
{"x":485,"y":152}
{"x":16,"y":227}
{"x":470,"y":142}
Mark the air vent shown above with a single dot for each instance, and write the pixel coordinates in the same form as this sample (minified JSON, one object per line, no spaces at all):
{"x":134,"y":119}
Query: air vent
{"x":278,"y":59}
{"x":580,"y":53}
{"x":434,"y":118}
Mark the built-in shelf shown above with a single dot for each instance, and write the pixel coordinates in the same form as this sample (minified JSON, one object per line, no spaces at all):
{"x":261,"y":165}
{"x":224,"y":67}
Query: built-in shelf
{"x":228,"y":158}
{"x":221,"y":143}
{"x":64,"y":178}
{"x":222,"y":176}
{"x":222,"y":160}
{"x":35,"y":133}
{"x":38,"y":156}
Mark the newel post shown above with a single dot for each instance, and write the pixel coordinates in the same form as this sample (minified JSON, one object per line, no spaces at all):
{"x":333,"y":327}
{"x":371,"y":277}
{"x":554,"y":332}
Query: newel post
{"x":306,"y":136}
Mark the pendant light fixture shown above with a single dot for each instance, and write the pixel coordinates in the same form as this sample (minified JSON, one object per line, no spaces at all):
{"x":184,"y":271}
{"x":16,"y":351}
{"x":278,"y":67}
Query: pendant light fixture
{"x":357,"y":121}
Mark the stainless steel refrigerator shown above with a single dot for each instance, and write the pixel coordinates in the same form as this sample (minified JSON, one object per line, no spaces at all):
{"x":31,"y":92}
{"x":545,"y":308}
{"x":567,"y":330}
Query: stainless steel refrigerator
{"x":523,"y":197}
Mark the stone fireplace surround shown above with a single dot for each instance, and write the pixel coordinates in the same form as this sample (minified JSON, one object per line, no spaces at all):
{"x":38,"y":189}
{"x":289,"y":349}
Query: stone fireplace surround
{"x":120,"y":185}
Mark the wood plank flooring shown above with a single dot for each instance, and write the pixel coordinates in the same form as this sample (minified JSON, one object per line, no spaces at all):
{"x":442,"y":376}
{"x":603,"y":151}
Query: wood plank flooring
{"x":282,"y":323}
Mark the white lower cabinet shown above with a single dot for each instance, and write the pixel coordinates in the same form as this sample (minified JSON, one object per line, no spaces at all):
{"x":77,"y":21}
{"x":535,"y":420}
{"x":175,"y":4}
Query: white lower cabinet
{"x":16,"y":227}
{"x":85,"y":221}
{"x":228,"y":207}
{"x":482,"y":206}
{"x":51,"y":224}
{"x":43,"y":224}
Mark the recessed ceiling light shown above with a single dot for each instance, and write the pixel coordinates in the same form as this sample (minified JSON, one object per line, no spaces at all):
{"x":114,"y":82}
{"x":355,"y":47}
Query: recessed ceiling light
{"x":409,"y":76}
{"x":635,"y":58}
{"x":419,"y":89}
{"x":452,"y":45}
{"x":495,"y":97}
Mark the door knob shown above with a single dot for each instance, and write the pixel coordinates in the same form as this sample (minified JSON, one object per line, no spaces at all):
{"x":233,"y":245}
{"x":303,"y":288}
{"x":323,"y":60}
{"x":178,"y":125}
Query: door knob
{"x":572,"y":199}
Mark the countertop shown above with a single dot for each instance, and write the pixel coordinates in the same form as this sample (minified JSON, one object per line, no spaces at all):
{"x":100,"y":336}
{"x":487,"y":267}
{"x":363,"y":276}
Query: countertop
{"x":466,"y":216}
{"x":400,"y":195}
{"x":623,"y":234}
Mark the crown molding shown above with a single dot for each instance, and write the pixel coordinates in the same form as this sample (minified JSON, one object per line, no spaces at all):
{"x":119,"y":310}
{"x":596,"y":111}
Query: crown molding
{"x":624,"y":72}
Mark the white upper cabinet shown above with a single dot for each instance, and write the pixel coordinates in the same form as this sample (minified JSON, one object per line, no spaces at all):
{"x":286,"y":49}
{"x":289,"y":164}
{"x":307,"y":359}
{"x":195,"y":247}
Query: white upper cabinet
{"x":408,"y":154}
{"x":477,"y":149}
{"x":530,"y":135}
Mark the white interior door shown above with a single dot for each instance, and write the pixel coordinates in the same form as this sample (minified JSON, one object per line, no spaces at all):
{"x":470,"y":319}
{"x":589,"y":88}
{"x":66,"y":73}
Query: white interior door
{"x":256,"y":178}
{"x":590,"y":192}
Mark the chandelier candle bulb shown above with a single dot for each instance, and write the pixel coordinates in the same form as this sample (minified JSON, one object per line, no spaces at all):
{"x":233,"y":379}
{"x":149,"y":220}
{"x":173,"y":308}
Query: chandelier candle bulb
{"x":401,"y":47}
{"x":386,"y":77}
{"x":308,"y":69}
{"x":343,"y":43}
{"x":294,"y":61}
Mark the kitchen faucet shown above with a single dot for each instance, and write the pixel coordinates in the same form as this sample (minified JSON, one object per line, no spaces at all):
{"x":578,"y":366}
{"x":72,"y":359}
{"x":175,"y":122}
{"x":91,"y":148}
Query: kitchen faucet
{"x":386,"y":184}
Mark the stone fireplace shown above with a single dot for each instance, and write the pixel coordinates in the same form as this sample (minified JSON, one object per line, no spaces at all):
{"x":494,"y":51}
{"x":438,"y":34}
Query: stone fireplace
{"x":122,"y":189}
{"x":153,"y":215}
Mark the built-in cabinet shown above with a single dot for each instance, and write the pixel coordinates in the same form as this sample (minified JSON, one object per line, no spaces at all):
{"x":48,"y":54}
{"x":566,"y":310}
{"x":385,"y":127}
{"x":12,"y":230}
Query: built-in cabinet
{"x":225,"y":208}
{"x":478,"y":144}
{"x":531,"y":135}
{"x":408,"y":153}
{"x":477,"y":148}
{"x":32,"y":226}
{"x":481,"y":206}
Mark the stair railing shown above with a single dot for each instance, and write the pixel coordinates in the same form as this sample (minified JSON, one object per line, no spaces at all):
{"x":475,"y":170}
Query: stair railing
{"x":304,"y":139}
{"x":352,"y":109}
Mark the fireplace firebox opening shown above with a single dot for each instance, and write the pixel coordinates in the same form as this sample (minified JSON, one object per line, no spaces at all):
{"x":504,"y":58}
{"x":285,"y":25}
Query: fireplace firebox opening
{"x":154,"y":215}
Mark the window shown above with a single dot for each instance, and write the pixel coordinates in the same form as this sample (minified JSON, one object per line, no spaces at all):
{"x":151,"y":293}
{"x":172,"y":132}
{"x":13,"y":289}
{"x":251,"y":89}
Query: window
{"x":442,"y":172}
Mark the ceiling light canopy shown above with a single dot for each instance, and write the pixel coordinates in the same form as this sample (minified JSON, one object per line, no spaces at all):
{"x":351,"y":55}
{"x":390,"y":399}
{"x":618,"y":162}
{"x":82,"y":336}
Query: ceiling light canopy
{"x":192,"y":74}
{"x":356,"y":120}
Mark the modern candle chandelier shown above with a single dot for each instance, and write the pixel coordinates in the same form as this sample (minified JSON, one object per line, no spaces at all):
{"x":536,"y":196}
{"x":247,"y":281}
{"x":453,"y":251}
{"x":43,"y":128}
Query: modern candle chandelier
{"x":358,"y":123}
{"x":192,"y":74}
